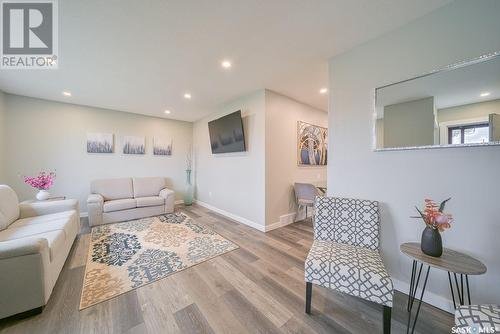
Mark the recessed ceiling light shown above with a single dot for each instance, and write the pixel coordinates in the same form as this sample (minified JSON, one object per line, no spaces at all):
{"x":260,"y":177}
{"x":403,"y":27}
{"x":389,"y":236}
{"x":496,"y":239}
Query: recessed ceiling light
{"x":226,"y":64}
{"x":66,"y":93}
{"x":323,"y":90}
{"x":187,"y":96}
{"x":167,"y":111}
{"x":484,"y":94}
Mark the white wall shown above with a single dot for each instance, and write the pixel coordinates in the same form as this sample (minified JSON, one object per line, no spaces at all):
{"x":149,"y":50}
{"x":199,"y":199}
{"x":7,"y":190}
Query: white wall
{"x":234,"y":182}
{"x":282,"y":115}
{"x":402,"y":179}
{"x":50,"y":135}
{"x":3,"y":128}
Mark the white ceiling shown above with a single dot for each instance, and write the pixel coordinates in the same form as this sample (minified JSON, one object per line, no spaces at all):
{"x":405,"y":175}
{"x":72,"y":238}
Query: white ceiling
{"x":452,"y":88}
{"x":142,"y":56}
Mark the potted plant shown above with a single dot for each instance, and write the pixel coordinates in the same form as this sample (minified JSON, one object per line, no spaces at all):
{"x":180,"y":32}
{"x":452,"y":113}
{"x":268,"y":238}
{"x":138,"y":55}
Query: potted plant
{"x":436,"y":221}
{"x":43,"y":181}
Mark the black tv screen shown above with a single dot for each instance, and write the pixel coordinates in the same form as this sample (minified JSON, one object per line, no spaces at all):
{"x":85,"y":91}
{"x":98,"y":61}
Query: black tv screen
{"x":226,"y":134}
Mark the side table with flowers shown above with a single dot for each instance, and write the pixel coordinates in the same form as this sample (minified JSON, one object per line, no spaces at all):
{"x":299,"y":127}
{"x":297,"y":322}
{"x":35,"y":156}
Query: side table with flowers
{"x":43,"y":182}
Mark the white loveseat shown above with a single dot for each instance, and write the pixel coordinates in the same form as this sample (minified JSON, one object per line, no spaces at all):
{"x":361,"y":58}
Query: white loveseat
{"x":35,"y":240}
{"x":115,"y":200}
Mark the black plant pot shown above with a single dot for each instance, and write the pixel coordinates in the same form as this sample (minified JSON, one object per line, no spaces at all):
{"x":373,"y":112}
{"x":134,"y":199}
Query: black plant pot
{"x":431,"y":244}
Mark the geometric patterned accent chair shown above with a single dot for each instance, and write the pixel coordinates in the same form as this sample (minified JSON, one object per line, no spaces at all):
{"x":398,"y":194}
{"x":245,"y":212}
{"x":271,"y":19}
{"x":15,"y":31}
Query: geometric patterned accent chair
{"x":345,"y":253}
{"x":479,"y":318}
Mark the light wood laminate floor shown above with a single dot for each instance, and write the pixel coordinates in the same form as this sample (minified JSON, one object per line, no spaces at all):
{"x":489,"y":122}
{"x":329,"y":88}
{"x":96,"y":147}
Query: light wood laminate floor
{"x":258,"y":288}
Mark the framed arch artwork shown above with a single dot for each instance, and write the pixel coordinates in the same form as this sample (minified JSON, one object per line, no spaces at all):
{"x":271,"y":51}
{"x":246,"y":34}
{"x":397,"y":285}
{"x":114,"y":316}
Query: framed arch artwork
{"x":312,"y":144}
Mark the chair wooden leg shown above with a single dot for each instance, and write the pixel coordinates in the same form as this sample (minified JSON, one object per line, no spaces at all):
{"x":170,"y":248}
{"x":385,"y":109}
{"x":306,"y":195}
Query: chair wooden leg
{"x":387,"y":319}
{"x":309,"y":288}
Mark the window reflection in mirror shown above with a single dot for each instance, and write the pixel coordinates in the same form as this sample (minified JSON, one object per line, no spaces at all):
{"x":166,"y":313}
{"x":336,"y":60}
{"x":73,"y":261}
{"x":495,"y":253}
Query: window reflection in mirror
{"x":456,"y":106}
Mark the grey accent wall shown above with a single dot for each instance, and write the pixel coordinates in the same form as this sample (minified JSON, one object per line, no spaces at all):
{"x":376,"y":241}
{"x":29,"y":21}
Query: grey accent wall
{"x":400,"y":180}
{"x":51,"y":135}
{"x":234,"y":182}
{"x":409,"y":124}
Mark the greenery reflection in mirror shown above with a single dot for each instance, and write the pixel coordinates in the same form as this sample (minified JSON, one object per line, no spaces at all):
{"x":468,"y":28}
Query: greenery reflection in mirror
{"x":459,"y":105}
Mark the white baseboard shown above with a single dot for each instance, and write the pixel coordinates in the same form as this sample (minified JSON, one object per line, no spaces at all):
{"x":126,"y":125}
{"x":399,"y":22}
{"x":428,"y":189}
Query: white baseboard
{"x":237,"y":218}
{"x":285,"y":220}
{"x":438,"y":301}
{"x":179,"y":201}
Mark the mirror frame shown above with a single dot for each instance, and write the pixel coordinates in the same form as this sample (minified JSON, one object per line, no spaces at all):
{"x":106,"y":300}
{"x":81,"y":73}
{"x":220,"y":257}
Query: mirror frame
{"x":451,"y":67}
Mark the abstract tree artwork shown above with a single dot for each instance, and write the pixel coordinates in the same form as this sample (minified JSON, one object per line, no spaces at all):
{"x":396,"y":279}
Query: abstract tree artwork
{"x":100,"y":143}
{"x":134,"y":145}
{"x":162,"y":146}
{"x":312,"y":144}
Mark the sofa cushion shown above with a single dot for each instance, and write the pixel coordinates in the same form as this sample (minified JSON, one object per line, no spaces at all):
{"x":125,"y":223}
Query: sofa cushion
{"x":112,"y":189}
{"x":148,"y":186}
{"x":9,"y":206}
{"x":150,"y":201}
{"x":119,"y":204}
{"x":44,"y":218}
{"x":16,"y":232}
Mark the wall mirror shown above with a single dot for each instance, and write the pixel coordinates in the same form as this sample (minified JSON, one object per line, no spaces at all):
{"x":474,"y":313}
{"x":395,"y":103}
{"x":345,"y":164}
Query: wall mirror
{"x":455,"y":106}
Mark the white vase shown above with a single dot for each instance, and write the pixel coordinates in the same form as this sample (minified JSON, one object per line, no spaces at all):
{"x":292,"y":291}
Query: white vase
{"x":42,"y":195}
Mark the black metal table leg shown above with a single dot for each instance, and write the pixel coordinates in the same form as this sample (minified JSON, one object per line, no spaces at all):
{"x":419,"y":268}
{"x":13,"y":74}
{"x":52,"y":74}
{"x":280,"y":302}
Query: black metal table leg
{"x":413,"y":291}
{"x":460,"y":289}
{"x":412,"y":280}
{"x":468,"y":289}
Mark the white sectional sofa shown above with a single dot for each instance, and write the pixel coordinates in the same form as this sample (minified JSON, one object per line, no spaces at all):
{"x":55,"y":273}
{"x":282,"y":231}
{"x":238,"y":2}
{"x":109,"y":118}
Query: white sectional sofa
{"x":115,"y":200}
{"x":35,"y":240}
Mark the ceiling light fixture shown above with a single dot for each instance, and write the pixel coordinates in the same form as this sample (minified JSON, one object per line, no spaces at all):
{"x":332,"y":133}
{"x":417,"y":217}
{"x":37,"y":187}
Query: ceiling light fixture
{"x":66,"y":93}
{"x":484,"y":94}
{"x":226,"y":64}
{"x":187,"y":96}
{"x":167,"y":112}
{"x":323,"y":90}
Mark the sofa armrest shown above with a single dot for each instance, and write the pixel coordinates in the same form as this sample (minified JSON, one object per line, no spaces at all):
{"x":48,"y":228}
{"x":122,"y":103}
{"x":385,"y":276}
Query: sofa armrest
{"x":95,"y":203}
{"x":169,"y":196}
{"x":23,"y":246}
{"x":95,"y":199}
{"x":165,"y":193}
{"x":48,"y":207}
{"x":25,"y":274}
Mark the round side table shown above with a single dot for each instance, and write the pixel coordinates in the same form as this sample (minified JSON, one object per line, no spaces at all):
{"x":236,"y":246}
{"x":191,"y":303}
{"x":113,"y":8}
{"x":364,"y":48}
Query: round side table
{"x":453,"y":262}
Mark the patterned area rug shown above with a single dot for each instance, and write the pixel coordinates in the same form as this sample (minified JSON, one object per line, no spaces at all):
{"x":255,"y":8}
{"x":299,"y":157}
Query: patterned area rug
{"x":126,"y":256}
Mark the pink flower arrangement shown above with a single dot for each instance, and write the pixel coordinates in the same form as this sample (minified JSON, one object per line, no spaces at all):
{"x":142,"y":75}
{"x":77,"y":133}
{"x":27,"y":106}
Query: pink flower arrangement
{"x":433,"y":215}
{"x":43,"y":181}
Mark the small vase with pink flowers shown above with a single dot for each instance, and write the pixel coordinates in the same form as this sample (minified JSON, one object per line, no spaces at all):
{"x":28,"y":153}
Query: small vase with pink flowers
{"x":43,"y":181}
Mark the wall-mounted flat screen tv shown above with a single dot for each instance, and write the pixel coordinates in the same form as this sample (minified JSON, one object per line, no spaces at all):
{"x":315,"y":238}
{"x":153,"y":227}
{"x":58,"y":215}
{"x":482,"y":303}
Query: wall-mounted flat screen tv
{"x":226,"y":134}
